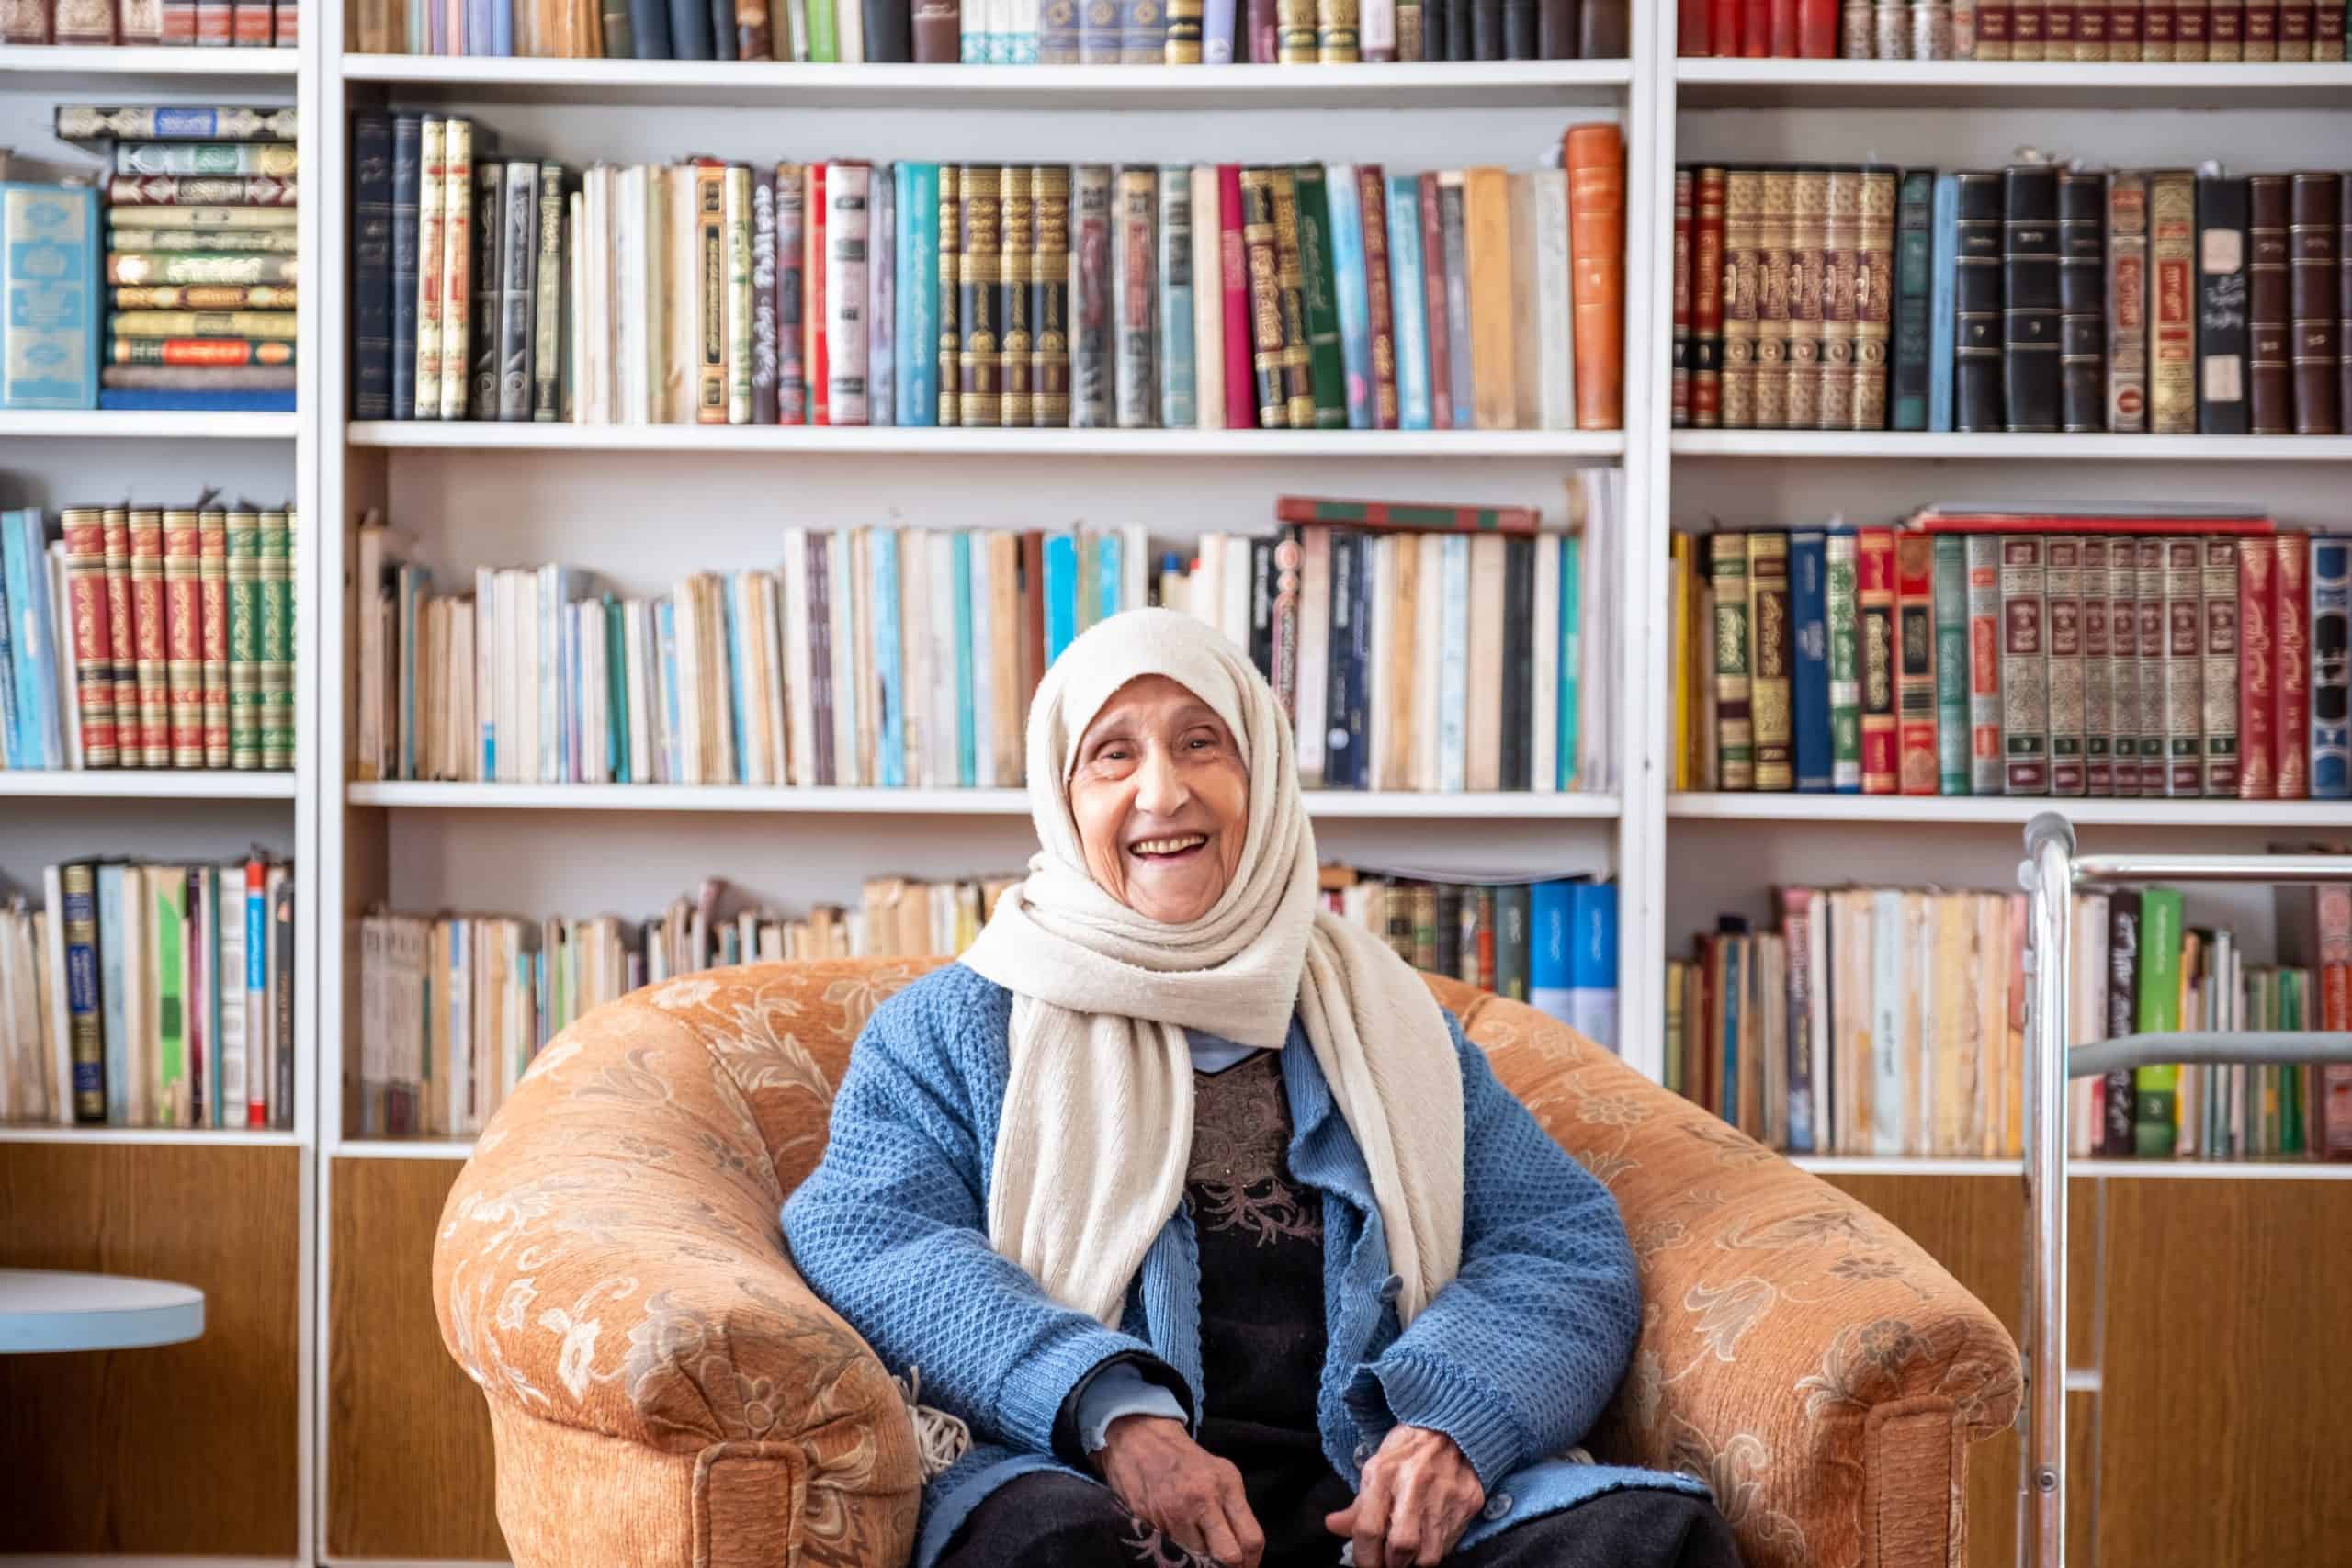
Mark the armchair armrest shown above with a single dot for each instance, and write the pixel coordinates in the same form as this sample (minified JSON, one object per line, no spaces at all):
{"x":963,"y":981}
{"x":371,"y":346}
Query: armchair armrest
{"x":662,"y":1385}
{"x":1805,"y":1356}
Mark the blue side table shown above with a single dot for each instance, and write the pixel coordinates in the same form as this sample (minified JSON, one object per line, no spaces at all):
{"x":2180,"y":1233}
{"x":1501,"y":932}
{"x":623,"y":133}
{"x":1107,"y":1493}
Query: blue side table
{"x":44,"y":1310}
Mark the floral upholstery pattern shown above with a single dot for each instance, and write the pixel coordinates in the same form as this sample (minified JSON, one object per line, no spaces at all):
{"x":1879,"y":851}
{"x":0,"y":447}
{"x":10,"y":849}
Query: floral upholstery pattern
{"x":664,"y":1389}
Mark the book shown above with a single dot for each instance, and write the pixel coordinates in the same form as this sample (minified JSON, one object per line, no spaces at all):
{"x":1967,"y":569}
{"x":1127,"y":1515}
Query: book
{"x":1878,"y":663}
{"x":2172,"y":326}
{"x":48,"y":275}
{"x":2223,"y":299}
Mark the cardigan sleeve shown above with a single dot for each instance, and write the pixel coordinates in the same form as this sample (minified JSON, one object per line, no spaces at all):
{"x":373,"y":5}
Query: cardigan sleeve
{"x":1517,"y":1357}
{"x":889,"y":1230}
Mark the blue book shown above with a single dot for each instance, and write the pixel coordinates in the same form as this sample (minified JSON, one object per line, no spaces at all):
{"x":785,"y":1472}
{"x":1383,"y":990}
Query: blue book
{"x":12,"y":754}
{"x":40,"y":742}
{"x":1592,"y":962}
{"x":1141,"y":37}
{"x":616,"y":678}
{"x":1727,"y":1100}
{"x":888,"y":658}
{"x":1571,"y":656}
{"x":407,"y":174}
{"x":1061,"y":593}
{"x":919,"y":295}
{"x":1351,"y":293}
{"x":1944,"y":262}
{"x":1107,"y":564}
{"x":371,"y":269}
{"x":48,"y":273}
{"x":667,"y":733}
{"x":690,"y":37}
{"x":479,"y":29}
{"x":2331,"y":626}
{"x":959,"y":552}
{"x":164,"y":399}
{"x":1217,"y":33}
{"x":1407,"y":286}
{"x":114,"y":1036}
{"x":502,"y":29}
{"x":1809,"y":677}
{"x":1178,"y":411}
{"x":738,"y":660}
{"x":1058,"y":34}
{"x":1453,"y":667}
{"x":903,"y":283}
{"x":1547,"y":949}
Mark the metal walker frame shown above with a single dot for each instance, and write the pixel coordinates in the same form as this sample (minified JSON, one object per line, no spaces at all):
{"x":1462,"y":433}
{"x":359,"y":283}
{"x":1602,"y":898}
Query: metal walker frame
{"x":2050,"y":874}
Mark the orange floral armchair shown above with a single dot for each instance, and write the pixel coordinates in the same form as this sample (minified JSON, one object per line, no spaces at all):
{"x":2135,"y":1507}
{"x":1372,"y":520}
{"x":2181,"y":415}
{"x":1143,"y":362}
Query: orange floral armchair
{"x":664,"y":1388}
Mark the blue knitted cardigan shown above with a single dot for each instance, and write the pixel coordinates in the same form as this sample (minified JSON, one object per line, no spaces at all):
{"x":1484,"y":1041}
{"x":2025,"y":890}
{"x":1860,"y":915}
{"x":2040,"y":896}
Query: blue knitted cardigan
{"x":1514,"y":1360}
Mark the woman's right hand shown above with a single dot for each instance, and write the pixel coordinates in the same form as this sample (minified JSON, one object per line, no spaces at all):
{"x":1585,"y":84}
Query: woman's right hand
{"x":1165,"y":1479}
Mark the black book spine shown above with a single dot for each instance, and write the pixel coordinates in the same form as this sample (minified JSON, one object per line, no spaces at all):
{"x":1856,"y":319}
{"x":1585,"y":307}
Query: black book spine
{"x":1262,"y":606}
{"x":1519,"y":660}
{"x":1436,"y":44}
{"x":406,"y":174}
{"x":483,"y":338}
{"x":649,"y":28}
{"x":1449,"y":929}
{"x":2030,"y":312}
{"x":690,"y":30}
{"x":1458,"y":30}
{"x":1486,"y":30}
{"x":722,"y":29}
{"x":1339,"y":758}
{"x":2082,"y":300}
{"x":2118,"y":1109}
{"x":371,"y":265}
{"x":1976,"y":298}
{"x":2221,"y":306}
{"x":889,"y":32}
{"x":1913,"y":307}
{"x":1519,"y":29}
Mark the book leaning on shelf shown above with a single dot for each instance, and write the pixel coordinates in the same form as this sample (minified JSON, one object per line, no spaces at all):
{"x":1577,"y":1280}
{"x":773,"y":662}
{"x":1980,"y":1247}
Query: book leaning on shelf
{"x":242,"y":24}
{"x":905,"y":657}
{"x":1306,"y":297}
{"x":148,"y":637}
{"x":150,"y":996}
{"x":2111,"y":655}
{"x":2040,"y":298}
{"x":1004,"y":32}
{"x":2082,"y":31}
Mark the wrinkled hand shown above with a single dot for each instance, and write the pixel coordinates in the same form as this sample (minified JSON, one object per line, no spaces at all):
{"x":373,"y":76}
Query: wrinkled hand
{"x":1165,"y":1479}
{"x":1418,"y":1495}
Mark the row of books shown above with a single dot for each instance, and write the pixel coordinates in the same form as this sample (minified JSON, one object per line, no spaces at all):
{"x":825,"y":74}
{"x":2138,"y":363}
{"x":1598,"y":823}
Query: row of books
{"x":242,"y":24}
{"x":1994,"y":654}
{"x":906,"y":657}
{"x":2077,"y":30}
{"x":1301,"y":297}
{"x":148,"y":637}
{"x":150,"y":996}
{"x":1006,"y":32}
{"x":202,"y":262}
{"x":2038,"y":297}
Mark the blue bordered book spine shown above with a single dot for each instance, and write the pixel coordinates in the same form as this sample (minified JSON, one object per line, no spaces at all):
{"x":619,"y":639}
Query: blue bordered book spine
{"x":1407,"y":291}
{"x":407,"y":131}
{"x":1809,"y":612}
{"x":1352,"y":293}
{"x":1061,"y":593}
{"x":48,"y":272}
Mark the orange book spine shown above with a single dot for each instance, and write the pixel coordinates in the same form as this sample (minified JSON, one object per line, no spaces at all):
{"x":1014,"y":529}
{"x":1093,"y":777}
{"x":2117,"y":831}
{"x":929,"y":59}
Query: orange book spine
{"x":1915,"y":636}
{"x":212,"y":603}
{"x":148,"y":638}
{"x":85,"y":595}
{"x":1595,"y":163}
{"x":1486,"y":224}
{"x":184,"y":638}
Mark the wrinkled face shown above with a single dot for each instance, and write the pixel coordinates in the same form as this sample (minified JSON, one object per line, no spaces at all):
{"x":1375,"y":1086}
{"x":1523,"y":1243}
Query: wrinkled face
{"x":1160,"y":800}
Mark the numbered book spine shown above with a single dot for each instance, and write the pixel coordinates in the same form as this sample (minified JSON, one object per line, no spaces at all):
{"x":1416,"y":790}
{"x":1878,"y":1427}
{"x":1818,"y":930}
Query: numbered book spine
{"x":1016,"y":255}
{"x":1987,"y":758}
{"x":1842,"y":614}
{"x":2331,"y":666}
{"x":2184,"y":656}
{"x":1915,"y":637}
{"x":2098,"y":670}
{"x":1874,"y":580}
{"x":1049,"y":334}
{"x":1951,"y":664}
{"x":2172,"y":330}
{"x":2290,"y":664}
{"x":2222,"y":287}
{"x":1135,"y":301}
{"x":1734,"y":727}
{"x":2024,"y":668}
{"x":2063,"y":674}
{"x":1771,"y":718}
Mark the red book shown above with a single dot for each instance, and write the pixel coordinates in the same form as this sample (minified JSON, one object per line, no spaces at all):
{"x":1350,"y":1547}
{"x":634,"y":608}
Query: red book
{"x":2295,"y":29}
{"x":1874,"y":590}
{"x":2257,"y":610}
{"x":1707,"y":298}
{"x":1264,"y":30}
{"x":2290,"y":653}
{"x":1817,"y":30}
{"x":1372,"y":198}
{"x":124,"y":668}
{"x":1691,"y":35}
{"x":183,"y":638}
{"x":1433,"y":304}
{"x":1915,"y":642}
{"x":812,"y":298}
{"x":2123,"y":30}
{"x":259,"y":1073}
{"x":146,"y":557}
{"x":250,"y":25}
{"x":1723,"y":28}
{"x":1935,"y":520}
{"x":2261,"y":29}
{"x":1233,"y":269}
{"x":1993,"y":29}
{"x":85,"y":592}
{"x":1684,"y":180}
{"x":1406,"y":515}
{"x":1756,"y":28}
{"x":1784,"y":30}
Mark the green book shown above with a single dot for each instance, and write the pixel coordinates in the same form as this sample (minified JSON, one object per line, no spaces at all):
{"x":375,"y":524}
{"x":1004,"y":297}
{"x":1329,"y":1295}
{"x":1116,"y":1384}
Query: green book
{"x":1951,"y":664}
{"x":2294,"y":988}
{"x":1571,"y":655}
{"x":1843,"y":617}
{"x":276,"y":559}
{"x":824,"y":42}
{"x":2159,"y":1013}
{"x":169,"y":908}
{"x":1328,"y":372}
{"x":621,"y":764}
{"x":1735,"y":723}
{"x":1510,"y":941}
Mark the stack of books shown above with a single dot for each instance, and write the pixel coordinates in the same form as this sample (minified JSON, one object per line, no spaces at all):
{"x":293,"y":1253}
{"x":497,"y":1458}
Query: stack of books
{"x":244,"y":24}
{"x":905,"y":657}
{"x":1214,"y":297}
{"x":1006,"y":32}
{"x":2076,"y":30}
{"x":2052,"y":652}
{"x":202,"y":254}
{"x":148,"y":637}
{"x":2042,"y":297}
{"x":150,"y":996}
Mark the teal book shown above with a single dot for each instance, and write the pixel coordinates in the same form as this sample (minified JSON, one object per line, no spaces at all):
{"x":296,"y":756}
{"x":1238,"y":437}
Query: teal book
{"x":112,"y":1032}
{"x":1914,"y":292}
{"x":1571,"y":655}
{"x":739,"y":710}
{"x":1943,"y":263}
{"x":49,"y":270}
{"x":1107,"y":565}
{"x":617,"y":716}
{"x":2157,"y":1088}
{"x":1061,"y":593}
{"x":966,"y":760}
{"x":918,"y":262}
{"x":1406,"y":288}
{"x":1511,"y":917}
{"x":36,"y":741}
{"x":1951,"y":664}
{"x":1325,"y":369}
{"x":1728,"y":1103}
{"x":1352,"y":294}
{"x":888,"y":657}
{"x":1179,"y":409}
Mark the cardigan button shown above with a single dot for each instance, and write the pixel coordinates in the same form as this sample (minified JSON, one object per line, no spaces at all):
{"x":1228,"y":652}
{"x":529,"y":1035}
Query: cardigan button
{"x":1392,"y":1287}
{"x":1497,"y":1507}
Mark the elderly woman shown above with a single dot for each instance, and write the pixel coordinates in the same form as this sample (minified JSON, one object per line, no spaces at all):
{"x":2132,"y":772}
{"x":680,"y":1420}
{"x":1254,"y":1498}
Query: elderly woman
{"x":1201,"y":1228}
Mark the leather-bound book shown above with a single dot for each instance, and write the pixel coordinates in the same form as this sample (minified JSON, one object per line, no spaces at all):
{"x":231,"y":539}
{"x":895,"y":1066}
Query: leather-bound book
{"x":979,"y":388}
{"x":2290,"y":653}
{"x":1917,"y":767}
{"x":1808,"y":238}
{"x":2189,"y":18}
{"x":1976,"y":290}
{"x":1435,"y":44}
{"x":1743,"y":208}
{"x":1707,"y":296}
{"x":1817,"y":30}
{"x":1049,"y":296}
{"x":1874,"y":594}
{"x":1458,"y":14}
{"x":2257,"y":613}
{"x":2270,"y":390}
{"x":1914,"y":287}
{"x":2028,"y":29}
{"x":1774,"y":230}
{"x":2090,"y":31}
{"x":2127,"y":301}
{"x":1016,"y":258}
{"x":889,"y":32}
{"x":2316,"y":342}
{"x":2328,"y":27}
{"x":1266,"y":340}
{"x":1372,"y":202}
{"x":1770,"y":656}
{"x":1134,"y":298}
{"x":1596,"y":165}
{"x":1556,"y":24}
{"x":1841,"y":265}
{"x":1873,"y":299}
{"x":1607,"y":30}
{"x":2123,"y":29}
{"x":2172,"y":303}
{"x":1519,"y":29}
{"x":1993,"y":18}
{"x":2297,"y":21}
{"x":2082,"y":303}
{"x":2099,"y":668}
{"x":1094,"y":229}
{"x":1684,"y":181}
{"x":2025,"y":667}
{"x":2183,"y":643}
{"x":2062,"y":624}
{"x":1339,"y":35}
{"x":2225,"y":30}
{"x":1735,"y":724}
{"x":1487,"y":29}
{"x":1290,"y":278}
{"x":2343,"y":303}
{"x":1784,"y":41}
{"x":2220,"y":581}
{"x":2156,"y":30}
{"x":2261,"y":29}
{"x":1723,"y":27}
{"x":1692,"y":34}
{"x":2222,"y":294}
{"x":2030,"y":312}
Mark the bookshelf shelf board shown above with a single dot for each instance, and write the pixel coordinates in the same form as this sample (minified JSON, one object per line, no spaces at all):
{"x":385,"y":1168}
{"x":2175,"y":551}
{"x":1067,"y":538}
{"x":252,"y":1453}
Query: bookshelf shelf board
{"x":1387,"y":805}
{"x":243,"y":1137}
{"x":1970,"y":83}
{"x":700,"y":440}
{"x":144,"y":783}
{"x":47,"y":67}
{"x":46,"y":424}
{"x":1880,"y":445}
{"x":2006,"y":809}
{"x":2118,"y":1169}
{"x":404,"y":1148}
{"x":1484,"y":84}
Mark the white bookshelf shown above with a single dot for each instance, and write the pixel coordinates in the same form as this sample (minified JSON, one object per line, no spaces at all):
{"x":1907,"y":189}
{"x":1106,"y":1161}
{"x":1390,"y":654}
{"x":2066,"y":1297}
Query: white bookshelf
{"x":111,"y":426}
{"x":2009,"y":811}
{"x":1360,"y":806}
{"x":689,"y":441}
{"x":2012,"y":84}
{"x":1816,"y":445}
{"x":139,"y":784}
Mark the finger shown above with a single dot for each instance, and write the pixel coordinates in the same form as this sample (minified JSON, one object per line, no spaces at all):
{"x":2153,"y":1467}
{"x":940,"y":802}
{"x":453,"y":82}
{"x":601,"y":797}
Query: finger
{"x":1408,"y":1532}
{"x":1341,"y":1523}
{"x":1217,"y":1538}
{"x":1249,"y":1540}
{"x":1372,"y":1507}
{"x":1184,"y":1525}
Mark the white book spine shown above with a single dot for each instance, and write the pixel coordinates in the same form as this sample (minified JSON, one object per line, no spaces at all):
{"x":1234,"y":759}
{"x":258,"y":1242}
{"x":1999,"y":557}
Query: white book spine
{"x":1887,"y":998}
{"x":1453,"y":667}
{"x":1208,"y":303}
{"x":1555,"y":311}
{"x":779,"y":689}
{"x":736,"y":308}
{"x":456,"y":263}
{"x":57,"y":1082}
{"x":1544,"y":743}
{"x":1238,"y":568}
{"x":847,"y":187}
{"x":631,"y":293}
{"x":553,"y":758}
{"x":230,"y":922}
{"x":1314,"y":651}
{"x":845,"y":760}
{"x":457,"y":996}
{"x":1428,"y":604}
{"x":579,"y":363}
{"x":939,"y":656}
{"x":1206,"y":599}
{"x":922,"y":762}
{"x":641,"y":756}
{"x":1135,"y":566}
{"x":849,"y":34}
{"x":802,"y":743}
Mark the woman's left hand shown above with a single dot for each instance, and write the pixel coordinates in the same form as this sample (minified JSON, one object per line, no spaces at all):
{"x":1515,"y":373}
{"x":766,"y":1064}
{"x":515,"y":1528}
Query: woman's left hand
{"x":1418,"y":1495}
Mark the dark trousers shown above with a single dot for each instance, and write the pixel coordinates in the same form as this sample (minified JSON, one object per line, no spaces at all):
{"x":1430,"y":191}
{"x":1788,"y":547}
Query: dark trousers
{"x":1051,"y":1520}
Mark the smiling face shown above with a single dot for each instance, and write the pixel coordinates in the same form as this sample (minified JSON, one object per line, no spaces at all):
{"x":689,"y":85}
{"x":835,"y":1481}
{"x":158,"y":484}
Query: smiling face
{"x":1160,"y":800}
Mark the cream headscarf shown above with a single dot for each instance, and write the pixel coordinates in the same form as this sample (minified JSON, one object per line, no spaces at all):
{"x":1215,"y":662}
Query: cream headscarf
{"x":1096,"y":1132}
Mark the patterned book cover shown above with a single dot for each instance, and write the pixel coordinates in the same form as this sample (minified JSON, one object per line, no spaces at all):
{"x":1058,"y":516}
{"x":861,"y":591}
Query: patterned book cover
{"x":122,"y":638}
{"x":1875,"y":591}
{"x":2127,"y":301}
{"x":1735,"y":729}
{"x":1915,"y":674}
{"x":2184,"y":657}
{"x":2149,"y":593}
{"x":2063,"y":674}
{"x":212,"y":608}
{"x":710,"y":297}
{"x":1049,"y":333}
{"x":1017,"y":256}
{"x":2291,"y":668}
{"x":1770,"y":658}
{"x":1841,"y":279}
{"x":764,"y":302}
{"x":243,"y":548}
{"x":1372,"y":200}
{"x":2025,"y":669}
{"x":789,"y":185}
{"x":489,"y":219}
{"x":49,"y":273}
{"x":2098,"y":669}
{"x":2172,"y":333}
{"x":2123,"y":664}
{"x":456,"y":263}
{"x":1708,"y":197}
{"x":546,"y":305}
{"x":86,"y":607}
{"x":735,"y":203}
{"x":1873,"y":297}
{"x":225,"y":269}
{"x":2331,"y":667}
{"x":1842,"y":614}
{"x":276,"y":557}
{"x":1177,"y":388}
{"x":1135,"y":333}
{"x":1951,"y":665}
{"x":1987,"y":758}
{"x":1774,"y":232}
{"x":1743,"y":278}
{"x":2221,"y":697}
{"x":200,"y":190}
{"x":175,"y":122}
{"x":1685,"y":210}
{"x":182,"y":637}
{"x":1809,"y":672}
{"x":1326,"y":369}
{"x":1092,"y":406}
{"x":1299,"y":396}
{"x":517,"y":278}
{"x":980,"y":400}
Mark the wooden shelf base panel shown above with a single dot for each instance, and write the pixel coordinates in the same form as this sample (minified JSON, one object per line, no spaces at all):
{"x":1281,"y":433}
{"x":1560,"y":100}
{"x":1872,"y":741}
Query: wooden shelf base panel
{"x":2004,"y":84}
{"x":2016,"y":810}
